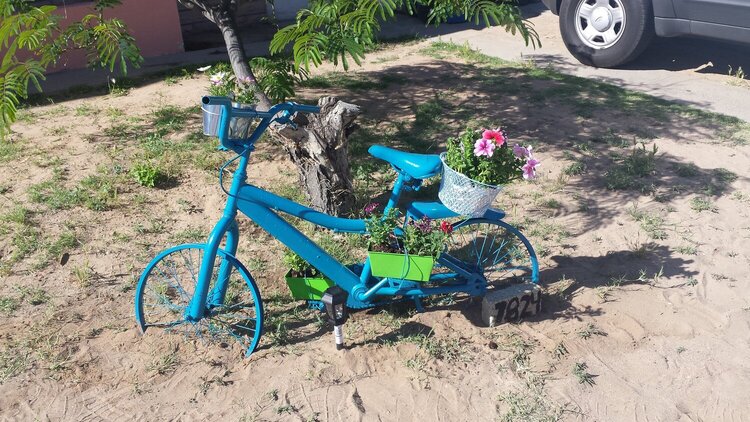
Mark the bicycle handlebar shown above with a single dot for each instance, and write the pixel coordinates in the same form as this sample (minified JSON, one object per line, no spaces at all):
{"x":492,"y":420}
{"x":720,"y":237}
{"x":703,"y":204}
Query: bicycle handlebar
{"x":280,"y":113}
{"x":289,"y":106}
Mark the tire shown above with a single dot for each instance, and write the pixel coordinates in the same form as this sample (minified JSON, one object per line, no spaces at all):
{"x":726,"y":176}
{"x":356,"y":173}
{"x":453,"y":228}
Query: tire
{"x":606,"y":33}
{"x":495,"y":249}
{"x":166,"y":288}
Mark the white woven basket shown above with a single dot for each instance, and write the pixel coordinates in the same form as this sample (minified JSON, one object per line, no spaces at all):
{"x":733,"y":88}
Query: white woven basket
{"x":463,"y":195}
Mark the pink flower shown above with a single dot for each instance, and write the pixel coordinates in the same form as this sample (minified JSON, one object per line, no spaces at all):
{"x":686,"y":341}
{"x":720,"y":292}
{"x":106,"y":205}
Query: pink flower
{"x":496,"y":135}
{"x":218,"y":78}
{"x":484,"y":147}
{"x":371,"y":207}
{"x":529,"y":169}
{"x":521,"y":152}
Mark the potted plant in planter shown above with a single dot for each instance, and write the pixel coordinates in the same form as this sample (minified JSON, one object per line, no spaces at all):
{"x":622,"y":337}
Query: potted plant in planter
{"x":304,"y":281}
{"x":224,"y":84}
{"x":410,"y":257}
{"x":474,"y":170}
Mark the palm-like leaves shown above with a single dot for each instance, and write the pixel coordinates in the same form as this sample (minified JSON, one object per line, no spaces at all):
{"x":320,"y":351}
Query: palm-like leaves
{"x":36,"y":30}
{"x":340,"y":30}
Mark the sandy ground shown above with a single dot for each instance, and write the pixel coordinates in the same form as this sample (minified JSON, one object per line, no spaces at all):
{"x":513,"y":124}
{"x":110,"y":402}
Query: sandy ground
{"x":658,"y":327}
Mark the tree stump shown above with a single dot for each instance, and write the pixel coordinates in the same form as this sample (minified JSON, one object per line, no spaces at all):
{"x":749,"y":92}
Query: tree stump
{"x":319,"y":149}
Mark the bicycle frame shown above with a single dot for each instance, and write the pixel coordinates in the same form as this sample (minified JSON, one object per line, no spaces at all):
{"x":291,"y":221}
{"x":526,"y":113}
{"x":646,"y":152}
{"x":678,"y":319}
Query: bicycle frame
{"x":262,"y":206}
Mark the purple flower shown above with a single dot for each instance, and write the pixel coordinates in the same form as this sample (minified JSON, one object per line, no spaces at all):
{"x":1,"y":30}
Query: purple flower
{"x":424,"y":224}
{"x":484,"y":147}
{"x":529,"y":169}
{"x":521,"y":152}
{"x":371,"y":207}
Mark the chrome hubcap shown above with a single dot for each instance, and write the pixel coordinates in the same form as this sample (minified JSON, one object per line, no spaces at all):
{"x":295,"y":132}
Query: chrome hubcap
{"x":600,"y":23}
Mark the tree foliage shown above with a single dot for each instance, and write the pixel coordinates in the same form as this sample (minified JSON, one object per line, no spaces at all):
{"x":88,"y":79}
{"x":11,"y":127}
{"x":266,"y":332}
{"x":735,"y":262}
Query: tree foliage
{"x":342,"y":30}
{"x":35,"y":32}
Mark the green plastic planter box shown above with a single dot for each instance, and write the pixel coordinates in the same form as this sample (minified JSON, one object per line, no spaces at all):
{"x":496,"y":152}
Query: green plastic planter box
{"x":307,"y":288}
{"x":396,"y":265}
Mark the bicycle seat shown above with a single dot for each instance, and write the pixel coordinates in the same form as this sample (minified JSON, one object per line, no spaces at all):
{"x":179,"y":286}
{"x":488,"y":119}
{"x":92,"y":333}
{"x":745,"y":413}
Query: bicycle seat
{"x":418,"y":166}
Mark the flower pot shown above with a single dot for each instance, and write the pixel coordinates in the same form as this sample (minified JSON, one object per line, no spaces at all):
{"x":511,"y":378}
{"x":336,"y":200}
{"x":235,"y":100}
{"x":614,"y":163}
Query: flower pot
{"x":239,"y":127}
{"x":463,"y":195}
{"x":396,"y":265}
{"x":307,"y":288}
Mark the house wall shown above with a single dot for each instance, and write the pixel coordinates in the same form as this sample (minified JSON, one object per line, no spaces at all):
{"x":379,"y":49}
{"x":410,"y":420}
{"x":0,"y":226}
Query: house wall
{"x":155,"y":24}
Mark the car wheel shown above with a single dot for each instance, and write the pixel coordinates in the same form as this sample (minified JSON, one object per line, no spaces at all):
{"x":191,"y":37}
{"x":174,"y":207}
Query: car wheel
{"x":606,"y":33}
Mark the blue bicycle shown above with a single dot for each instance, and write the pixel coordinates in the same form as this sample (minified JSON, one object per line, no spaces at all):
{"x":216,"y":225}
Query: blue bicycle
{"x":205,"y":291}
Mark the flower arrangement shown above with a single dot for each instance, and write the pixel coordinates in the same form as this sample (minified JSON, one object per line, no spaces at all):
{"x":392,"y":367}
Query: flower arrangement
{"x":474,"y":170}
{"x":490,"y":159}
{"x":425,"y":237}
{"x":223,"y":83}
{"x":410,"y":256}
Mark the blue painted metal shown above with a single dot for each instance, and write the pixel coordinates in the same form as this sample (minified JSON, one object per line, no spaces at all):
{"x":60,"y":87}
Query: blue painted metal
{"x":417,"y":166}
{"x":226,"y":258}
{"x":263,"y":207}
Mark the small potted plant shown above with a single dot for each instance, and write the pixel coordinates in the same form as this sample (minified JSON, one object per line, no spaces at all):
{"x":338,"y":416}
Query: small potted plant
{"x":474,"y":170}
{"x":304,"y":281}
{"x":411,"y":256}
{"x":224,"y":84}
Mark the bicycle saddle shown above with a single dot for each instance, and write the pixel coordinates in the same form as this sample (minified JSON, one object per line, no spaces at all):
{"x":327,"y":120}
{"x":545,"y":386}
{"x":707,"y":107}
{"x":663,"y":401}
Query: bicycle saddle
{"x":418,"y":166}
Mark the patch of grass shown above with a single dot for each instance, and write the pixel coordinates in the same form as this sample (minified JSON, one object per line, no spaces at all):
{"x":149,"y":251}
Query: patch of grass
{"x":25,"y":241}
{"x":450,"y":350}
{"x":651,"y":223}
{"x":170,"y":119}
{"x":33,"y":295}
{"x":581,"y":373}
{"x":687,"y":250}
{"x":165,"y":363}
{"x":82,"y":274}
{"x":17,"y":215}
{"x":520,"y":349}
{"x":276,"y":329}
{"x":612,"y":138}
{"x":58,"y":131}
{"x":9,"y":150}
{"x":560,"y":350}
{"x":529,"y":405}
{"x":120,"y":88}
{"x":723,"y":175}
{"x":630,"y":172}
{"x":189,"y":235}
{"x":551,"y":204}
{"x":8,"y":305}
{"x":589,"y":331}
{"x":701,"y":204}
{"x":96,"y":192}
{"x":544,"y":229}
{"x":687,"y":170}
{"x":575,"y":168}
{"x":14,"y":359}
{"x":54,"y":249}
{"x":85,"y":109}
{"x":147,"y":174}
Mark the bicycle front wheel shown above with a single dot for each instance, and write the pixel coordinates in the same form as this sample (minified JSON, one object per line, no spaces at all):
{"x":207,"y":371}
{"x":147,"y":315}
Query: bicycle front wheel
{"x":494,"y":249}
{"x":233,"y":308}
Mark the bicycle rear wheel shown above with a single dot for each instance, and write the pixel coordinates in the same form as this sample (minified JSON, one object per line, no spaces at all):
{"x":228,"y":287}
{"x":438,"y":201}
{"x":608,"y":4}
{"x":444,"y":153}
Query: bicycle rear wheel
{"x":166,"y":288}
{"x":494,"y":249}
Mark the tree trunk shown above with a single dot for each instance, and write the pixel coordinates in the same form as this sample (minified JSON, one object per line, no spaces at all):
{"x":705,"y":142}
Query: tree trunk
{"x":222,"y":15}
{"x":318,"y":148}
{"x":320,"y":151}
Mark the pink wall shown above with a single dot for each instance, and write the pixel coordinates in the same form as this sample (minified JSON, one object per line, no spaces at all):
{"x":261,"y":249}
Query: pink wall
{"x":155,"y":25}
